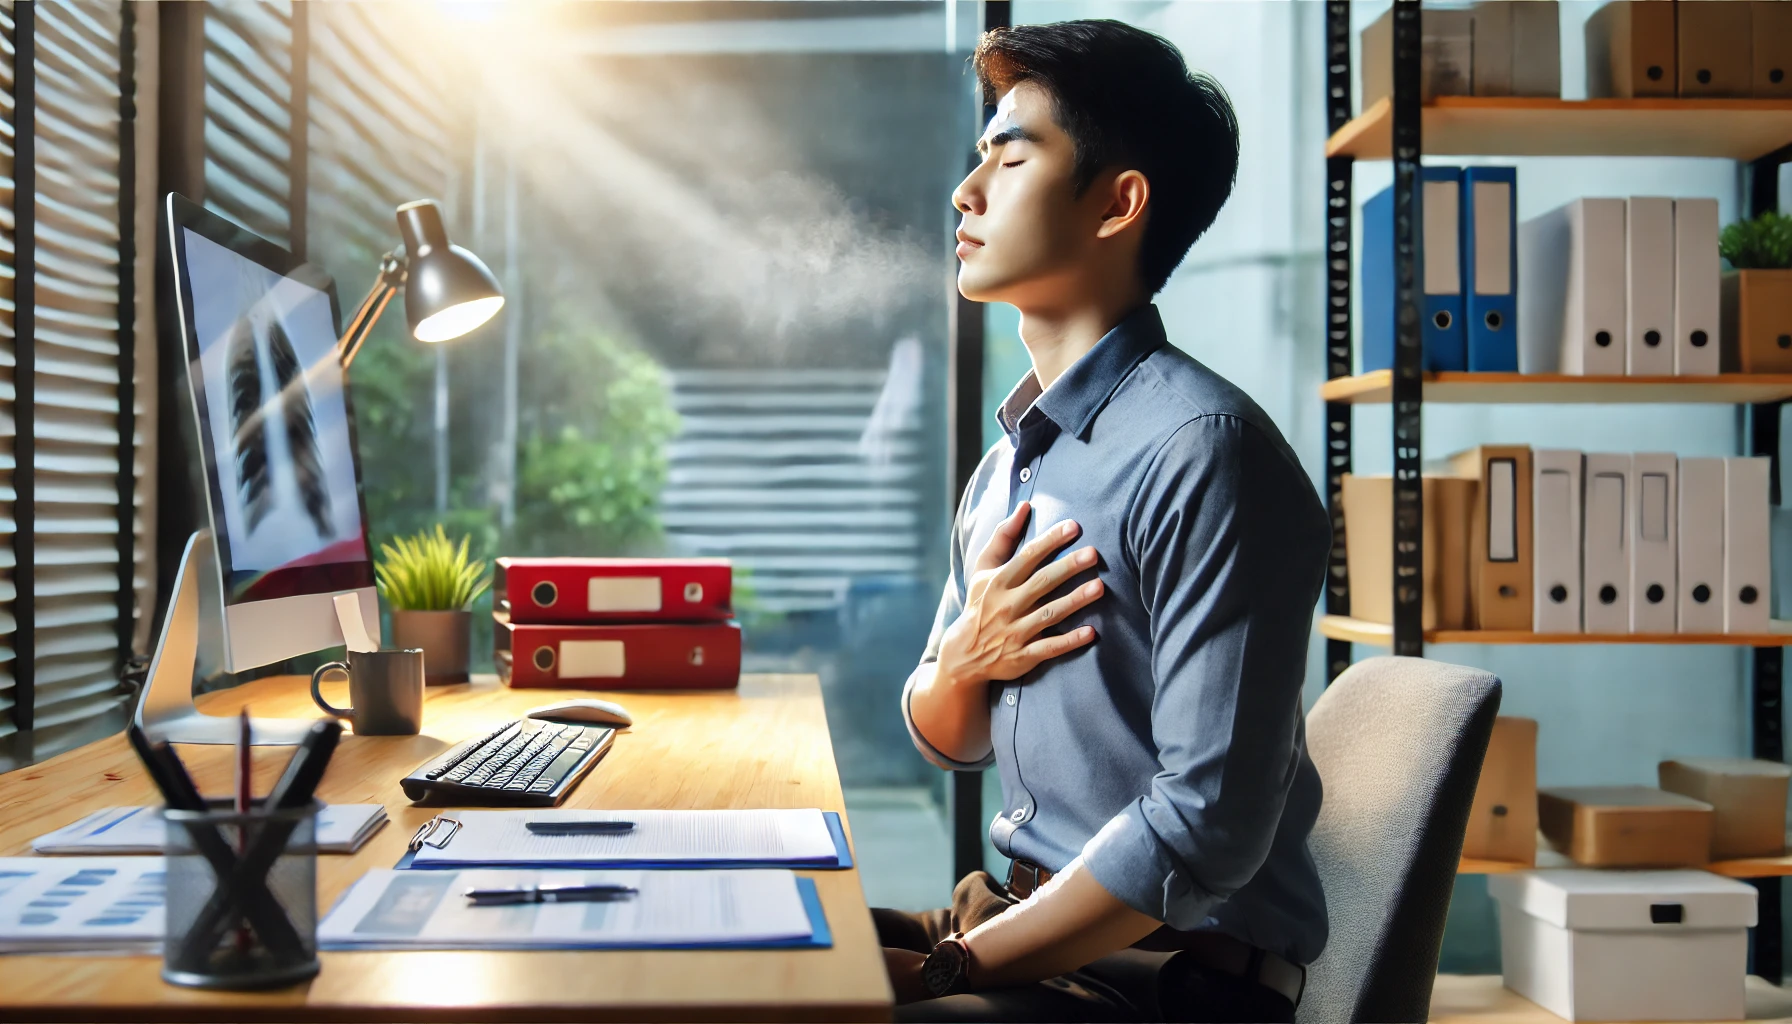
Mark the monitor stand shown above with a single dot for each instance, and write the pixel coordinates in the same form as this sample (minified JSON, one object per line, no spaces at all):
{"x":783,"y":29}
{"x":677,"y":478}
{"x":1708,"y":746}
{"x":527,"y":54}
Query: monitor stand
{"x":165,"y":711}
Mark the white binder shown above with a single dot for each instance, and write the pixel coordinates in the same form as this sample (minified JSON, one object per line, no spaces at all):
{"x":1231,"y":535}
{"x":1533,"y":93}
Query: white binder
{"x":1696,"y":282}
{"x":1555,"y":540}
{"x":1649,"y":286}
{"x":1701,"y":556}
{"x":1571,"y":289}
{"x":1652,"y":516}
{"x":1605,"y":577}
{"x":1747,"y":574}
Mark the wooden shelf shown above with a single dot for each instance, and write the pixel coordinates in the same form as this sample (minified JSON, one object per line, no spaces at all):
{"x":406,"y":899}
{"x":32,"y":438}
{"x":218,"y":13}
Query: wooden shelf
{"x":1342,"y":627}
{"x":1547,"y":857}
{"x":1377,"y":387}
{"x":1738,"y":129}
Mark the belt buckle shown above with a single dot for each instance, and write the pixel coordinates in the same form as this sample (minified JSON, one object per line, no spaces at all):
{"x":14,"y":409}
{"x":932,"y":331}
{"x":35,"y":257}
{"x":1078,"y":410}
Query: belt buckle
{"x":1014,"y":874}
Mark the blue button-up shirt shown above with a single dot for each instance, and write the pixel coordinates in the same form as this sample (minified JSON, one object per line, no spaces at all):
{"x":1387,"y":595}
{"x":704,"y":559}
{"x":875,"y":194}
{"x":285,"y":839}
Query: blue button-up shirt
{"x":1171,"y":752}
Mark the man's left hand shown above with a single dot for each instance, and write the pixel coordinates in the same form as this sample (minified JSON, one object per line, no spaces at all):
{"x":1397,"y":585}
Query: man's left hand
{"x":904,"y":966}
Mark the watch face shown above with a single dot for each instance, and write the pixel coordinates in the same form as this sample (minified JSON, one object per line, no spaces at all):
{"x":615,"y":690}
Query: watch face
{"x":943,"y":968}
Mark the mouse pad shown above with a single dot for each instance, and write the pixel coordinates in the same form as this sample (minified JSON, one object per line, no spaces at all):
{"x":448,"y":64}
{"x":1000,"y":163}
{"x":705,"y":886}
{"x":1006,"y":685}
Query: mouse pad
{"x":836,"y":828}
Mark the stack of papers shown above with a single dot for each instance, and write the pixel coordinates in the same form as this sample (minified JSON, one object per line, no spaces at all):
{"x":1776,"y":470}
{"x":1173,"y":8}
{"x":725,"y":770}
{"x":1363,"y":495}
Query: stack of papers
{"x":341,"y":828}
{"x":659,"y":839}
{"x":80,"y":904}
{"x":392,"y":909}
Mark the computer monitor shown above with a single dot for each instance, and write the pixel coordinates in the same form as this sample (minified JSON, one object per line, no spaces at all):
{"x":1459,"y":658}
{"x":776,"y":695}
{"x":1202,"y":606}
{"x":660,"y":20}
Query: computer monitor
{"x":257,"y":331}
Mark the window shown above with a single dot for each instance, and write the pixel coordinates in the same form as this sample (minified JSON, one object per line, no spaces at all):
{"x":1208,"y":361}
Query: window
{"x":73,"y":465}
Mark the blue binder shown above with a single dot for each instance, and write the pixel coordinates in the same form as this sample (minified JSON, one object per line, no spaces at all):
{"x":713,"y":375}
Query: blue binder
{"x":1440,"y":301}
{"x":1490,"y":267}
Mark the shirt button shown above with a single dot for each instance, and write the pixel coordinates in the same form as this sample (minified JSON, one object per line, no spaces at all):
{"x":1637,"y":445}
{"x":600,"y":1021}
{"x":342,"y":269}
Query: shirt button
{"x":1011,"y":700}
{"x":1026,"y":473}
{"x":1020,"y":814}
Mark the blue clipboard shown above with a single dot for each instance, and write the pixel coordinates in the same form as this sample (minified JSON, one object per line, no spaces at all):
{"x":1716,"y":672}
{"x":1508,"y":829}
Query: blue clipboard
{"x":842,"y":851}
{"x":820,"y":937}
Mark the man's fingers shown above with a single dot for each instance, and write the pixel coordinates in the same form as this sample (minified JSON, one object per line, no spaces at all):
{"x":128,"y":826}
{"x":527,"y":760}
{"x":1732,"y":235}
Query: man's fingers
{"x":1057,"y":610}
{"x":1002,"y":541}
{"x":1055,"y":574}
{"x":1022,"y":565}
{"x":1053,"y":646}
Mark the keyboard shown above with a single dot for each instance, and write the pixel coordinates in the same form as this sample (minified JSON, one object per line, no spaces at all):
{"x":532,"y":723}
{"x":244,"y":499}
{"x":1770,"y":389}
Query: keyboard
{"x":525,"y":763}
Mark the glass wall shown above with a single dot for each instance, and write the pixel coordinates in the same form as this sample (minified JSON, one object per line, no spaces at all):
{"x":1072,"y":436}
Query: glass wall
{"x":723,"y":231}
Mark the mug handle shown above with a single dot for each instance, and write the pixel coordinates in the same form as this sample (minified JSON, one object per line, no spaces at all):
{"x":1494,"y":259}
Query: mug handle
{"x":317,"y":694}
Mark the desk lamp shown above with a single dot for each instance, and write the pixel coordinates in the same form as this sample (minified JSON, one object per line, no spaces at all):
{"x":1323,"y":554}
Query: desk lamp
{"x":447,"y":290}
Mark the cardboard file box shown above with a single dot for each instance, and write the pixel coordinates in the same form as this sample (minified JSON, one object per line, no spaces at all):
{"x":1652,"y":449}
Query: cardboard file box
{"x":1626,"y":826}
{"x":1626,"y":945}
{"x":1748,"y":800}
{"x":1756,"y":318}
{"x":1502,"y":823}
{"x":1369,"y":548}
{"x":1630,"y":50}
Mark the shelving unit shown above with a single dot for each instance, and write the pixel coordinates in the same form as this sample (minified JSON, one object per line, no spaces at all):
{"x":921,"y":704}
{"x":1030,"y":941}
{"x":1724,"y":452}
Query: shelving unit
{"x":1454,"y":388}
{"x":1547,"y":857}
{"x":1754,"y":131}
{"x":1376,"y":634}
{"x":1739,"y":129}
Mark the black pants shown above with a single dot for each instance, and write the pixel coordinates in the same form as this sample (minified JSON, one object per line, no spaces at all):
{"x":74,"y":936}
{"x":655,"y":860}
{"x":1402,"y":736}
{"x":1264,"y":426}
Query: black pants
{"x":1131,"y":985}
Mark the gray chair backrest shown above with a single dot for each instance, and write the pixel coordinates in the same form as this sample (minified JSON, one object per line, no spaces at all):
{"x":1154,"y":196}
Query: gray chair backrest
{"x":1398,"y":743}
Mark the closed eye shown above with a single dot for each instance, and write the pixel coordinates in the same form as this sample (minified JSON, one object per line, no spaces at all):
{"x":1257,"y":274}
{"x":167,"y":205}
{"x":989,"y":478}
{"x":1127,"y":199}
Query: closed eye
{"x":1013,"y":163}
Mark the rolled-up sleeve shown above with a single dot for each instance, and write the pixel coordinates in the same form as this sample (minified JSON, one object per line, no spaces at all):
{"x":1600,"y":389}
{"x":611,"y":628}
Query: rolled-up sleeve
{"x":1229,"y":542}
{"x":951,"y":605}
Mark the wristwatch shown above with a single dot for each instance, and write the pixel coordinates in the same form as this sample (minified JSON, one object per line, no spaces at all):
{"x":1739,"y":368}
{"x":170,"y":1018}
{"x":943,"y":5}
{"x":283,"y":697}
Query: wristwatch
{"x":947,"y":970}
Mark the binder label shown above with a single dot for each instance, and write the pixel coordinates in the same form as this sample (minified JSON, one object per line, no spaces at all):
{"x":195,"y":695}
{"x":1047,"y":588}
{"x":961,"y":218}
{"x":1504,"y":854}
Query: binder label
{"x":1443,"y":263}
{"x":1502,"y":510}
{"x":592,"y":659}
{"x":1493,"y":238}
{"x":623,"y":594}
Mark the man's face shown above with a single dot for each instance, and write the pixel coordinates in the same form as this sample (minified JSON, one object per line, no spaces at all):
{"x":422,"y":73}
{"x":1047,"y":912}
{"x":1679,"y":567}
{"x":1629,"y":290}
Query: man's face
{"x":1024,"y":233}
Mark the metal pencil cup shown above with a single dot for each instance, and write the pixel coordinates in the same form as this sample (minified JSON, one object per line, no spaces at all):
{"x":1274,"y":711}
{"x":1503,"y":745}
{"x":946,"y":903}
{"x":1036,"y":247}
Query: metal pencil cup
{"x":241,"y":897}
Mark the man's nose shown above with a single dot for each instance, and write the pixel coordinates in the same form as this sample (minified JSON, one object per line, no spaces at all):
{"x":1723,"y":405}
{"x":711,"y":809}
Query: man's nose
{"x":967,"y":198}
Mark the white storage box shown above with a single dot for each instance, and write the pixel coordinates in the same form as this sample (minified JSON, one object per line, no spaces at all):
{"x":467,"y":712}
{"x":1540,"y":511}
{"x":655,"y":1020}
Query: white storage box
{"x":1626,"y":945}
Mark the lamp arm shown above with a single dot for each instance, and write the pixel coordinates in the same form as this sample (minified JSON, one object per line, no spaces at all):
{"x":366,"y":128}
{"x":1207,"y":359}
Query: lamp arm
{"x":391,"y":277}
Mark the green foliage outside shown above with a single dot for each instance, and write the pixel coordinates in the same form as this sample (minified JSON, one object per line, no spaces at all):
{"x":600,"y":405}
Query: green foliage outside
{"x":1764,"y":243}
{"x":430,"y":573}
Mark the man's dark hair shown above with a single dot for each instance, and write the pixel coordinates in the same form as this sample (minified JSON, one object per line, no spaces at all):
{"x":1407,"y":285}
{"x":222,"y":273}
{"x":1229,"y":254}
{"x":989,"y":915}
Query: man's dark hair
{"x":1127,"y":100}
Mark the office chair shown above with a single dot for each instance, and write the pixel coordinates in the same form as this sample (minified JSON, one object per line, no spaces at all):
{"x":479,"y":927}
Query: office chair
{"x":1398,"y":743}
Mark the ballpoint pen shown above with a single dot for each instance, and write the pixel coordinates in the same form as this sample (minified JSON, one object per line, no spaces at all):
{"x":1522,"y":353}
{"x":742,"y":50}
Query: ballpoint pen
{"x":549,"y":894}
{"x":579,"y":828}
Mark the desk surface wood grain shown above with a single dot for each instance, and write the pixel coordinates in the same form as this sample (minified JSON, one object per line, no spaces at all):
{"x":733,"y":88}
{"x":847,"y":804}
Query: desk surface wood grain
{"x":765,"y":745}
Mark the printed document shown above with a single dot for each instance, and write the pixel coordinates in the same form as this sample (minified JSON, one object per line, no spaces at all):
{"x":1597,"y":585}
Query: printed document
{"x":341,"y":828}
{"x":658,"y":838}
{"x":389,"y":908}
{"x":80,"y":903}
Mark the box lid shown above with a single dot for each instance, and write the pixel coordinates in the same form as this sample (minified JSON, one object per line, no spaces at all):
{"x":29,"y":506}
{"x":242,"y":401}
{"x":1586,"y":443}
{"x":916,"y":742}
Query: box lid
{"x":1735,"y":766}
{"x":1586,"y":900}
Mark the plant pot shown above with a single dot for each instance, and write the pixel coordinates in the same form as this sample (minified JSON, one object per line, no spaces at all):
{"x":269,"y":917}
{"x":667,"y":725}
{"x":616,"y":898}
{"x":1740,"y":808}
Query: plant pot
{"x":445,"y":637}
{"x":1757,"y":321}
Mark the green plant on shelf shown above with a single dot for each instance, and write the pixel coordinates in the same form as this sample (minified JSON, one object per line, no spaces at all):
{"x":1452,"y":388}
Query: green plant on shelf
{"x":430,"y":573}
{"x":1764,"y":243}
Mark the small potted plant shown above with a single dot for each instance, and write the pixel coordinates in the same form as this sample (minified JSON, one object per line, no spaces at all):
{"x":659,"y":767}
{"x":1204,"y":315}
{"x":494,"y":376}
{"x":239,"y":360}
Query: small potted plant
{"x":1757,"y":294}
{"x":431,"y":584}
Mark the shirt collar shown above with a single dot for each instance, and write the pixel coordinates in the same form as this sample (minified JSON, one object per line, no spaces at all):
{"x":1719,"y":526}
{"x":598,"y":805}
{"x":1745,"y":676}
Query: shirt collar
{"x":1074,"y":398}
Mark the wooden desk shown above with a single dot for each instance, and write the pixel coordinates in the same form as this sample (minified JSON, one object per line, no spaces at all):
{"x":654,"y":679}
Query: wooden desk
{"x":766,"y":745}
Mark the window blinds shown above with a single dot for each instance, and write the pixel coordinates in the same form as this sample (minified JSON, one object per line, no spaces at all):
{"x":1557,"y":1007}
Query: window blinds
{"x":249,"y":115}
{"x":71,"y":471}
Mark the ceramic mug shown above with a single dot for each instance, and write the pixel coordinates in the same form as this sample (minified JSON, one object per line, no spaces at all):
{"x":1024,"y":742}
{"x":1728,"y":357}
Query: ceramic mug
{"x":385,"y":690}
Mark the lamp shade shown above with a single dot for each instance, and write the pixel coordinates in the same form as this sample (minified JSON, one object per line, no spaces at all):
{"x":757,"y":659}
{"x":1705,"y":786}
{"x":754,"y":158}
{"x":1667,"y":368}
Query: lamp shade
{"x":447,"y":291}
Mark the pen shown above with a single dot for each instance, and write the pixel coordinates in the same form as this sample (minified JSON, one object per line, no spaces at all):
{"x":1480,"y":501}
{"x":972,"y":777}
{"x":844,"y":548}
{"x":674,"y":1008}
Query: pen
{"x":549,"y":894}
{"x":579,"y":828}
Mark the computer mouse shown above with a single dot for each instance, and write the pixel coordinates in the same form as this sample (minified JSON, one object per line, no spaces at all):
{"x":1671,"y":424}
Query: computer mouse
{"x":600,"y":712}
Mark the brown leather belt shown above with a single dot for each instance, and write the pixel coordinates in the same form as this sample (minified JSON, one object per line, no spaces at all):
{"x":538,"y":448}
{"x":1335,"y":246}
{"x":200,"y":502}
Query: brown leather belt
{"x":1211,"y":949}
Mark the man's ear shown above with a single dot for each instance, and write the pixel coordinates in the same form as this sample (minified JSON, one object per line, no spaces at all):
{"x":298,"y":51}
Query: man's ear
{"x":1128,"y":195}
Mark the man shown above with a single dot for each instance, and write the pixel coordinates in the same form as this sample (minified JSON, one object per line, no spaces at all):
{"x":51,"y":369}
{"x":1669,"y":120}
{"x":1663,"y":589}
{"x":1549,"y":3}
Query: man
{"x":1134,"y":571}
